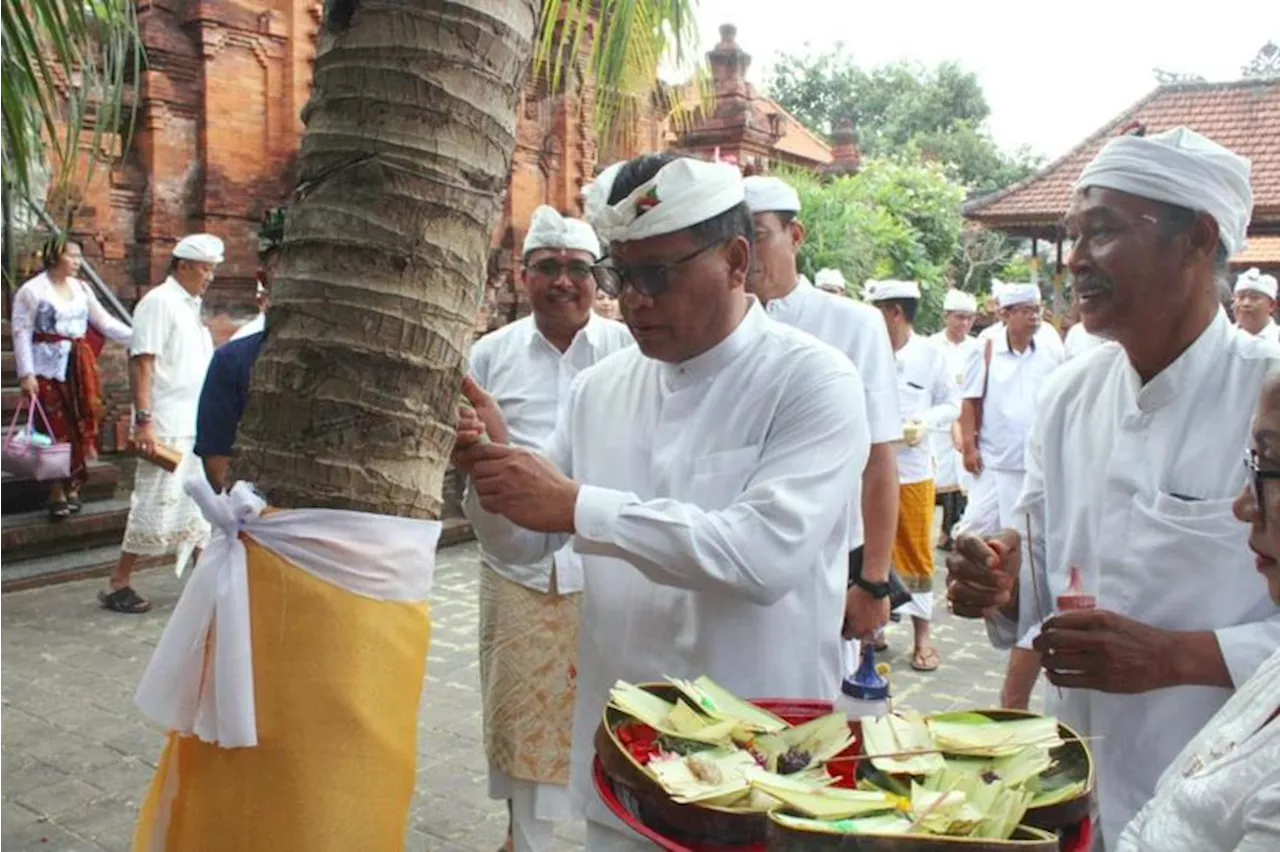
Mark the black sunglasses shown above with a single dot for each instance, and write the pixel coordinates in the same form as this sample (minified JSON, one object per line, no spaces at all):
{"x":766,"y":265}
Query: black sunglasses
{"x":1260,"y":477}
{"x":551,"y":269}
{"x":648,"y":279}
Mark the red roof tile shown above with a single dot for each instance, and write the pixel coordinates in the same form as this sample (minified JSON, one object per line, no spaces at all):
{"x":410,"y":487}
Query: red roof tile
{"x":1244,"y":116}
{"x":1263,"y":251}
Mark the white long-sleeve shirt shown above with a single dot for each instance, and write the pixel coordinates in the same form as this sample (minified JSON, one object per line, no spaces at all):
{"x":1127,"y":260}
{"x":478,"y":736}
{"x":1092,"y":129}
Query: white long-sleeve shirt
{"x":1134,"y":484}
{"x":528,"y":377}
{"x":1222,"y":793}
{"x":712,"y":517}
{"x":38,"y":309}
{"x":927,"y":393}
{"x":857,"y":330}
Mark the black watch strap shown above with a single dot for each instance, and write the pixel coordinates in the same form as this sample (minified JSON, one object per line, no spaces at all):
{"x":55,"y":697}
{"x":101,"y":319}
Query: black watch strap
{"x":876,"y":590}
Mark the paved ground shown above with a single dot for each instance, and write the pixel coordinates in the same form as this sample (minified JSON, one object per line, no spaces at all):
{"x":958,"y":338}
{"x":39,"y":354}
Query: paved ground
{"x":77,"y":757}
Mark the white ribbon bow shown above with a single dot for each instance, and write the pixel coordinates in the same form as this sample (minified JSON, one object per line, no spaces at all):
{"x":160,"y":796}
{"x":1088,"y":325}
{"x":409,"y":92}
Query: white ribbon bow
{"x":191,"y":688}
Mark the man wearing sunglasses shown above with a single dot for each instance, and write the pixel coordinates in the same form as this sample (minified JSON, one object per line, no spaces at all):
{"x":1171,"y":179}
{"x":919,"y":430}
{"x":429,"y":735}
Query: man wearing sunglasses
{"x":1132,"y":466}
{"x":529,"y":608}
{"x":706,"y":477}
{"x":857,"y":330}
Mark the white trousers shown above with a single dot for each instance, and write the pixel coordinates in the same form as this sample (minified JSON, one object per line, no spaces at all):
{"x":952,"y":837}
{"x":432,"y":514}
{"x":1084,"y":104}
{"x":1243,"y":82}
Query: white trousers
{"x":991,"y":501}
{"x":606,"y":833}
{"x":535,"y":809}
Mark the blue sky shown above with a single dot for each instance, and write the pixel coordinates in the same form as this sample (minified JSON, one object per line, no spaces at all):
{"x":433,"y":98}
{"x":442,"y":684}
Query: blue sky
{"x":1053,"y":73}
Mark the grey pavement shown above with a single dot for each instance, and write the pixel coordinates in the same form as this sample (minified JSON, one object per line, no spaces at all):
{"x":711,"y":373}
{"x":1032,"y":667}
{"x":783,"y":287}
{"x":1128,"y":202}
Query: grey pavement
{"x":77,"y":757}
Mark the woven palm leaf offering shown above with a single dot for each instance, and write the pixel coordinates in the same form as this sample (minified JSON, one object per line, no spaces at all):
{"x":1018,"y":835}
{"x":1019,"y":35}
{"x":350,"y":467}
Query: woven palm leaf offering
{"x":700,"y":765}
{"x":996,"y":780}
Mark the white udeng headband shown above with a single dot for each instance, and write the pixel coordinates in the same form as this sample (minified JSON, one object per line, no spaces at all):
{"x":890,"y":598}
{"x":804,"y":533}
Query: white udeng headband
{"x":683,"y":193}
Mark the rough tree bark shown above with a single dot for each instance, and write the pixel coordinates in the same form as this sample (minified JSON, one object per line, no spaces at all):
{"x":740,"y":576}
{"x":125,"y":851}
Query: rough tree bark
{"x":409,"y":136}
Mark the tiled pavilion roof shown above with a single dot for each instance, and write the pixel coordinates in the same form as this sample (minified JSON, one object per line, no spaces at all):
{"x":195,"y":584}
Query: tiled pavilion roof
{"x":1243,"y":115}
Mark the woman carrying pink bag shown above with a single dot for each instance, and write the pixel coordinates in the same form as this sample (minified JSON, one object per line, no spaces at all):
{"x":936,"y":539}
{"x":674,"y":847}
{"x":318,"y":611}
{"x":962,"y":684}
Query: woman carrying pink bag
{"x":52,"y":313}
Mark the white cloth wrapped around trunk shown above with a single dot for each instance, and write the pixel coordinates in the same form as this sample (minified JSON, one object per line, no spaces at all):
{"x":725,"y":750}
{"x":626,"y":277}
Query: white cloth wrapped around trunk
{"x":194,"y":688}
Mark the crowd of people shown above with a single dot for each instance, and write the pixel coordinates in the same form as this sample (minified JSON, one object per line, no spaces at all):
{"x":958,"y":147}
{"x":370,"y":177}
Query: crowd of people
{"x":741,"y":479}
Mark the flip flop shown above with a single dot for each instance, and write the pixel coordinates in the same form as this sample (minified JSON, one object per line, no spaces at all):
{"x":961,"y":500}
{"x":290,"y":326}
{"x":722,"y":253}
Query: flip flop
{"x":124,"y":600}
{"x":59,"y":510}
{"x":925,"y":659}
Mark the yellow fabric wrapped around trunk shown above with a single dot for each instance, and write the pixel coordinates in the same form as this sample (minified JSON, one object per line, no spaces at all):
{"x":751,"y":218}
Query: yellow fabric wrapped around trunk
{"x":337,"y":678}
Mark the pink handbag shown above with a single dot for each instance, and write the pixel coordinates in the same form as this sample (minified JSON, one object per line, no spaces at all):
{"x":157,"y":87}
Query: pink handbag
{"x":22,"y":458}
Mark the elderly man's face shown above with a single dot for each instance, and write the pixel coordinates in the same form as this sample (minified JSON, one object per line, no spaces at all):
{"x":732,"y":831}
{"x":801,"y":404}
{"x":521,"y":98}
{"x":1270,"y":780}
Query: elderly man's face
{"x":698,"y":292}
{"x":560,"y":286}
{"x":194,"y":275}
{"x":1123,"y":273}
{"x":1259,"y":502}
{"x":1253,"y":310}
{"x":959,"y":323}
{"x":776,"y":245}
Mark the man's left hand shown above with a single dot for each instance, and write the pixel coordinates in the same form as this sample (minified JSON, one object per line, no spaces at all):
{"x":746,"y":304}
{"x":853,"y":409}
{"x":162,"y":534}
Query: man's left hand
{"x":863,"y":613}
{"x":1103,"y":651}
{"x":523,"y":487}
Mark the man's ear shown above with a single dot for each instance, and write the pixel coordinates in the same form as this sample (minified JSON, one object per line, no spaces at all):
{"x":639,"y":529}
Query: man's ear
{"x":1201,"y":239}
{"x":797,"y":234}
{"x":738,"y":254}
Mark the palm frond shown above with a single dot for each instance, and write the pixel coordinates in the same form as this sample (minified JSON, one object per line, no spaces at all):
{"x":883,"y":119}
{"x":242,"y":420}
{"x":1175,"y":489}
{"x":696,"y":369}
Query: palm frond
{"x":628,"y":42}
{"x":68,"y":71}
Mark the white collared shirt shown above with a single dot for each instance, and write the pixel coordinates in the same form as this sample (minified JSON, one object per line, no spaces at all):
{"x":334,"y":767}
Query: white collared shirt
{"x":1270,"y":331}
{"x":1134,"y":484}
{"x":927,"y":392}
{"x":529,"y":378}
{"x":857,"y":330}
{"x":1046,"y":336}
{"x":1079,"y":341}
{"x":167,"y":324}
{"x":712,"y":517}
{"x":1015,"y":380}
{"x":957,"y":354}
{"x":253,"y":326}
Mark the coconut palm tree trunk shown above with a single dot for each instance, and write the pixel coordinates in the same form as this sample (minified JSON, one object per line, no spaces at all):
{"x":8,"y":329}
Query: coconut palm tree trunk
{"x":409,"y":137}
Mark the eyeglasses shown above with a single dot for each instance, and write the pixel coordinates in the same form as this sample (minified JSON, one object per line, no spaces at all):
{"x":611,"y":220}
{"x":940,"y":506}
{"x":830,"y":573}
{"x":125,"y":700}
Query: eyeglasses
{"x":648,"y":279}
{"x":1260,"y":477}
{"x":551,"y":269}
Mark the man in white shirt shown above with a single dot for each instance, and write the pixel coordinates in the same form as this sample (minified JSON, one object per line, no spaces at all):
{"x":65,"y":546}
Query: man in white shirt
{"x":1132,"y":468}
{"x":169,"y":355}
{"x":929,"y":400}
{"x":1254,"y":303}
{"x":952,"y":481}
{"x":1002,"y":380}
{"x":1046,"y":335}
{"x":1079,"y":341}
{"x":713,"y":467}
{"x":529,"y":611}
{"x":858,"y":331}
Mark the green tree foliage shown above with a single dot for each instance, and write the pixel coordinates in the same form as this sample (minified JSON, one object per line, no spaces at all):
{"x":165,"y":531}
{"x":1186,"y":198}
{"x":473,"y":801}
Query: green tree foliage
{"x":902,"y":110}
{"x":891,"y":220}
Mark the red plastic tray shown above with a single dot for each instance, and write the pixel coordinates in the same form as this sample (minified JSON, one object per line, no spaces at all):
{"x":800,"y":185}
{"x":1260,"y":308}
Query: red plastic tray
{"x":795,"y":712}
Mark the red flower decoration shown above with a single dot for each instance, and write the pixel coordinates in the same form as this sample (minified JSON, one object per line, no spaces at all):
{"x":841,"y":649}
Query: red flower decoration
{"x":647,"y":201}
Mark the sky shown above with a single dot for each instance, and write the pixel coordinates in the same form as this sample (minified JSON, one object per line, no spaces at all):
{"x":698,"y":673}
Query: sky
{"x":1052,"y":73}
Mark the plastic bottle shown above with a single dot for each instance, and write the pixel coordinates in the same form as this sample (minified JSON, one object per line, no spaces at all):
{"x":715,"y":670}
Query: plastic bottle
{"x":866,"y":691}
{"x":1075,"y":596}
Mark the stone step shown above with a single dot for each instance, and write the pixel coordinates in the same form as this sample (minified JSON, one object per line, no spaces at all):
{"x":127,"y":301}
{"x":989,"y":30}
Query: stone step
{"x":67,"y":567}
{"x":8,"y":368}
{"x":10,"y":396}
{"x":27,"y":495}
{"x":6,"y":338}
{"x":29,"y":535}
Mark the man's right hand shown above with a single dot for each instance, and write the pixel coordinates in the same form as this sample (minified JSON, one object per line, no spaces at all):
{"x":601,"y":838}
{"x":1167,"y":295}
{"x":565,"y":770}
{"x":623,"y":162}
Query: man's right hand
{"x":30,"y":386}
{"x":973,"y":461}
{"x":982,"y":575}
{"x":478,"y":417}
{"x":144,"y":439}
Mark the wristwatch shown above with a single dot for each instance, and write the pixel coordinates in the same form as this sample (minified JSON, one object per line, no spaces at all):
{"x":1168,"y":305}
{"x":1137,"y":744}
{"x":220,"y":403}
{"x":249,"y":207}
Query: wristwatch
{"x":141,"y":416}
{"x":879,"y":591}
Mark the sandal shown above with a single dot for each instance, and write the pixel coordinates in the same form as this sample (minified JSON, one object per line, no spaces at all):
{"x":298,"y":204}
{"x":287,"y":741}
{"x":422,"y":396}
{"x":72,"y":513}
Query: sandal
{"x":73,"y":502}
{"x":59,"y":510}
{"x":925,"y":659}
{"x":124,"y":600}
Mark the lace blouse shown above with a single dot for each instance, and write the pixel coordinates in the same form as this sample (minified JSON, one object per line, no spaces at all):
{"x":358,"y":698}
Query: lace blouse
{"x":1222,"y":794}
{"x":39,"y":309}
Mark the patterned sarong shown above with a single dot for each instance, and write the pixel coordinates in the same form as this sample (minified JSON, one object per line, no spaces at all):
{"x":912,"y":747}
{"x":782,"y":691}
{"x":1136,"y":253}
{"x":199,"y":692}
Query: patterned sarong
{"x":528,"y":648}
{"x":162,"y":518}
{"x":74,"y":407}
{"x":913,"y":544}
{"x":337,"y":679}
